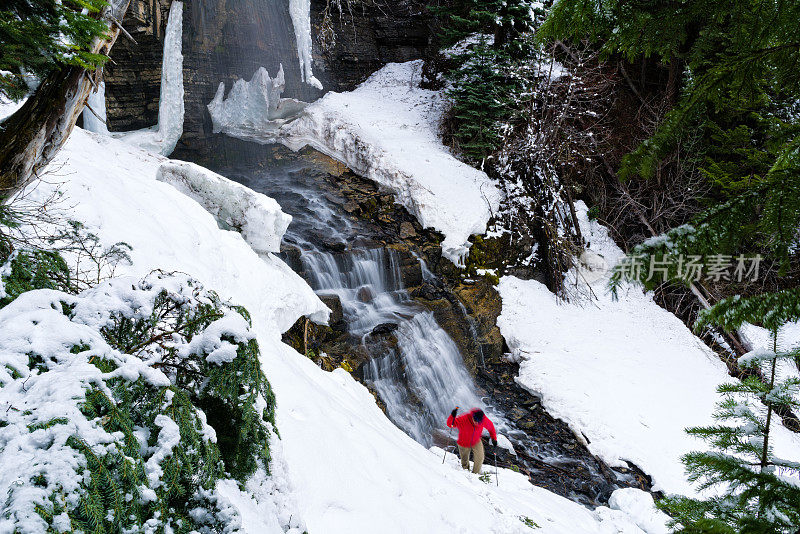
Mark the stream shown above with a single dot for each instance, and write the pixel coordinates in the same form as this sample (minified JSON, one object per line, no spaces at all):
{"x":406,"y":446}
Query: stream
{"x":419,"y":373}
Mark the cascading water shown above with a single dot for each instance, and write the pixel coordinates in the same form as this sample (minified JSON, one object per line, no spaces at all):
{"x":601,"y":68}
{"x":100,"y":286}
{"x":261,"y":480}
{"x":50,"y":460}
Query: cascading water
{"x":413,"y":365}
{"x":423,"y":376}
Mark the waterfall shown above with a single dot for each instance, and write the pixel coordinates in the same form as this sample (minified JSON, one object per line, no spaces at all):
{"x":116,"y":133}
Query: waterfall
{"x":423,"y":377}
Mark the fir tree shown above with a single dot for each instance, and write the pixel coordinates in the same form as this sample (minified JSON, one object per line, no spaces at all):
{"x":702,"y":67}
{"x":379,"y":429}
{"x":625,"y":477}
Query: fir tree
{"x":36,"y":36}
{"x":485,"y":78}
{"x":756,"y":491}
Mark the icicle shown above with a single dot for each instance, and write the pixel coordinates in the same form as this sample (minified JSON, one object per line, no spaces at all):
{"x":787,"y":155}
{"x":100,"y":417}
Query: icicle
{"x":163,"y":137}
{"x":300,"y":11}
{"x":170,"y":104}
{"x":94,"y":119}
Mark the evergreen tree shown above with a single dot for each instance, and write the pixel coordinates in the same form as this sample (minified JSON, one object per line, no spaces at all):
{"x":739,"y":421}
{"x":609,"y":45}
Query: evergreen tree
{"x":485,"y":78}
{"x":734,"y":66}
{"x":756,"y":491}
{"x":36,"y":36}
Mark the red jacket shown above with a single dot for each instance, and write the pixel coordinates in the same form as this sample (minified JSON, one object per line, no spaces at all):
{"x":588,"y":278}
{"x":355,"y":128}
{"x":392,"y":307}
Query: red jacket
{"x":469,"y":433}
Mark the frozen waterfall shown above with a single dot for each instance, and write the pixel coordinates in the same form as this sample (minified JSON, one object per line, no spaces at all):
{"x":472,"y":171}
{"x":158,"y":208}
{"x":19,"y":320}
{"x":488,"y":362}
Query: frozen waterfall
{"x":254,"y":109}
{"x":163,"y":137}
{"x":94,"y":119}
{"x":300,"y":11}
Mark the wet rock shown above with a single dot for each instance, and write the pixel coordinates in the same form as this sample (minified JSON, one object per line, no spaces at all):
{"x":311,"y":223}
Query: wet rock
{"x":517,"y":414}
{"x":350,"y":207}
{"x":427,"y":291}
{"x":407,"y":230}
{"x":384,"y":329}
{"x":334,"y":246}
{"x":483,"y":303}
{"x":365,"y":294}
{"x":336,"y":320}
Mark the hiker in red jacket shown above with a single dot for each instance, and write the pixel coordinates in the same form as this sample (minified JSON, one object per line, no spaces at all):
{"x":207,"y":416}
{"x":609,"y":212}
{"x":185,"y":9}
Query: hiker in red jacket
{"x":470,"y":427}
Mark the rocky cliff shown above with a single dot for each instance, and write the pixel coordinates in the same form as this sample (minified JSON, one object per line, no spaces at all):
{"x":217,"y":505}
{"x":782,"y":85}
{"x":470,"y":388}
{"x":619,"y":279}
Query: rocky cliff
{"x":224,"y":40}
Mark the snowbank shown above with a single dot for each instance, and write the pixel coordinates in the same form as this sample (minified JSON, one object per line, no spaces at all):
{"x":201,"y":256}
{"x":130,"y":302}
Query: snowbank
{"x":257,"y":217}
{"x":627,"y":375}
{"x":253,"y":109}
{"x":116,"y":193}
{"x":386,"y":130}
{"x":163,"y":137}
{"x":346,"y":467}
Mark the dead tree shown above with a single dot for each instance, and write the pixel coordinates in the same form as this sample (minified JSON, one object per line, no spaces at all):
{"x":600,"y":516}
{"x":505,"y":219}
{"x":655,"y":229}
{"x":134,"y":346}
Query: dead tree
{"x":31,"y":137}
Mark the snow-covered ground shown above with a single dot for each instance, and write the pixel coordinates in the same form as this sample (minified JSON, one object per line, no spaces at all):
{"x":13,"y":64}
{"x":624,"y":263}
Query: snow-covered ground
{"x":387,"y":130}
{"x":341,"y":464}
{"x":626,"y":374}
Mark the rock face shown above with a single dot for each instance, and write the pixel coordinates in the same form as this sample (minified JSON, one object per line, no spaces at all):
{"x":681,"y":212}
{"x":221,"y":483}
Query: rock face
{"x":228,"y":40}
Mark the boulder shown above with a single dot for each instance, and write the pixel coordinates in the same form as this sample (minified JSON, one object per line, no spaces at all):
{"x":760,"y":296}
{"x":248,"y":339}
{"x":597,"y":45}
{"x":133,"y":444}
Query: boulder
{"x":336,"y":320}
{"x":365,"y":294}
{"x":407,"y":230}
{"x":384,"y":329}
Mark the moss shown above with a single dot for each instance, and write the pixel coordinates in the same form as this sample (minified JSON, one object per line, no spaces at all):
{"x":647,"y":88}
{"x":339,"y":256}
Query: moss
{"x":487,"y":253}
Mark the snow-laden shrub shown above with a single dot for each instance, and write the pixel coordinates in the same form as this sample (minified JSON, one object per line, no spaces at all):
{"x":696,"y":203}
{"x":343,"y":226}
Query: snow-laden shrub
{"x":109,"y":401}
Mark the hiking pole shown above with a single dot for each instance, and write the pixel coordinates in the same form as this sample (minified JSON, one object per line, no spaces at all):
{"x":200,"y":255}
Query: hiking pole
{"x":450,"y":433}
{"x":494,"y":451}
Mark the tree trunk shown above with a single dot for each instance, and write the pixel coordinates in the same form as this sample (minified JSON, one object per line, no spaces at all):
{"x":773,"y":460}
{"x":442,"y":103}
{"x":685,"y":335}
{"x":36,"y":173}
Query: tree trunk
{"x":31,"y":137}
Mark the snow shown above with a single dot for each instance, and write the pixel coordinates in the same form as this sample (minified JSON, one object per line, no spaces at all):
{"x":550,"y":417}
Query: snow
{"x":627,"y":375}
{"x":253,"y":109}
{"x":9,"y":107}
{"x":41,"y":404}
{"x":300,"y":11}
{"x":118,"y":195}
{"x":387,"y":130}
{"x":163,"y":137}
{"x":257,"y":217}
{"x":340,"y":465}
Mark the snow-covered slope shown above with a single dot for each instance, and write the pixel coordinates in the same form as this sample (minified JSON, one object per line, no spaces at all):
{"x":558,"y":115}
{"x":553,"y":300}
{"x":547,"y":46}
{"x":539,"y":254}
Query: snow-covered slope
{"x":347,"y":467}
{"x":626,"y":374}
{"x":387,"y":130}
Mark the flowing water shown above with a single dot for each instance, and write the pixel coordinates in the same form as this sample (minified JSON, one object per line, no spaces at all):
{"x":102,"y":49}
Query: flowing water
{"x":420,"y":376}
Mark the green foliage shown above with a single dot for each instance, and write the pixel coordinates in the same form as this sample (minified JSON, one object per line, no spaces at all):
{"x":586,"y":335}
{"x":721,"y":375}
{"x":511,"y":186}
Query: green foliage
{"x":229,"y":394}
{"x":26,"y":270}
{"x":736,"y":64}
{"x":528,"y":522}
{"x":37,"y":36}
{"x":179,"y":392}
{"x":485,"y":80}
{"x":771,"y":310}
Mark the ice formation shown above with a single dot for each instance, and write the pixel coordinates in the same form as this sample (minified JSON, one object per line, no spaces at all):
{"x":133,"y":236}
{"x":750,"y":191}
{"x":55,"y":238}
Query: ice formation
{"x":254,"y":109}
{"x":257,"y":217}
{"x":300,"y":11}
{"x":94,"y":119}
{"x":163,"y":137}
